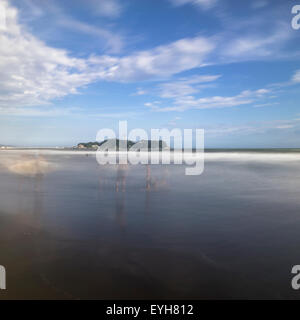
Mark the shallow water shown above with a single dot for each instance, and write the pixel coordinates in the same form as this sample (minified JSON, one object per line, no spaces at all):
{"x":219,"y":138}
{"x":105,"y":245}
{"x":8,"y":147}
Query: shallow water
{"x":79,"y":230}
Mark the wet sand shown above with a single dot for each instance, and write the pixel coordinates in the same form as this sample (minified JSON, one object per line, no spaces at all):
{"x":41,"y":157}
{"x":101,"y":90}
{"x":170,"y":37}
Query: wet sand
{"x":80,"y":230}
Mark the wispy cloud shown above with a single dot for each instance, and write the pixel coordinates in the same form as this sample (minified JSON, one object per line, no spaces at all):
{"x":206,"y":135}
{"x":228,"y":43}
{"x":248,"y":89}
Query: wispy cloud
{"x":35,"y":10}
{"x":109,"y":41}
{"x":268,"y":104}
{"x":189,"y":53}
{"x":113,"y":41}
{"x":139,"y":92}
{"x":296,"y":77}
{"x":38,"y":112}
{"x":259,"y":127}
{"x":294,"y":80}
{"x":256,"y":46}
{"x":259,"y":4}
{"x":33,"y":73}
{"x":203,"y":4}
{"x":285,"y":126}
{"x":117,"y":115}
{"x":185,"y":86}
{"x":186,"y":102}
{"x":160,"y":62}
{"x":106,"y":8}
{"x":154,"y":105}
{"x":173,"y":122}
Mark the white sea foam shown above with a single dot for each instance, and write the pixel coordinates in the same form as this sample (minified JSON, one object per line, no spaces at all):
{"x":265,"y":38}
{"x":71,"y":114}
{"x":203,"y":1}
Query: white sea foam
{"x":261,"y":156}
{"x":252,"y":156}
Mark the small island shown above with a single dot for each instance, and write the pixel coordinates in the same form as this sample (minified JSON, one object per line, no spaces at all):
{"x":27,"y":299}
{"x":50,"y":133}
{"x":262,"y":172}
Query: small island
{"x":114,"y":145}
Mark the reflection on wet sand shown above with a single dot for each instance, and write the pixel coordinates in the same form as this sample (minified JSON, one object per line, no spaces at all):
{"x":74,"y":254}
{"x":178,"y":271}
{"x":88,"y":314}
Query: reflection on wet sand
{"x":29,"y":170}
{"x":33,"y":189}
{"x":154,"y":183}
{"x":30,"y":166}
{"x":122,"y":172}
{"x":101,"y":232}
{"x":121,"y":177}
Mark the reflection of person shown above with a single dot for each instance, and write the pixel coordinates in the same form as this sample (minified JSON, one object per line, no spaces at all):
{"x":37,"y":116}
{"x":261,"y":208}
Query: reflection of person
{"x":148,"y":178}
{"x":101,"y":179}
{"x":154,"y":183}
{"x":120,"y":199}
{"x":121,"y":177}
{"x":31,"y":210}
{"x":120,"y":210}
{"x":38,"y":200}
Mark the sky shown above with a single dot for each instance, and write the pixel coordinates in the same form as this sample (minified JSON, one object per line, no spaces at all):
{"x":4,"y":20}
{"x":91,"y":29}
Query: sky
{"x":69,"y":68}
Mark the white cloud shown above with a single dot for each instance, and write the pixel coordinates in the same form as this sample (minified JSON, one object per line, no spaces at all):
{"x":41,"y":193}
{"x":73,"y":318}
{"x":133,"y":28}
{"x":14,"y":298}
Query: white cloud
{"x":182,"y":103}
{"x":160,"y":62}
{"x":153,"y":104}
{"x":174,"y":122}
{"x":37,"y":112}
{"x":113,"y":41}
{"x":35,"y":10}
{"x":139,"y":92}
{"x":296,"y":76}
{"x":223,"y":130}
{"x":256,"y":127}
{"x":117,"y":115}
{"x":47,"y":111}
{"x":279,"y":86}
{"x":204,"y":4}
{"x":33,"y":73}
{"x":109,"y":41}
{"x":185,"y":86}
{"x":253,"y":46}
{"x":211,"y":102}
{"x":107,"y":8}
{"x":259,"y":4}
{"x":285,"y":126}
{"x":268,"y":104}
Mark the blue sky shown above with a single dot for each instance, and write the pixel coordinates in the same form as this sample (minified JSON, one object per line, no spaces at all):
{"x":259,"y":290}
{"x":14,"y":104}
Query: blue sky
{"x":69,"y":68}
